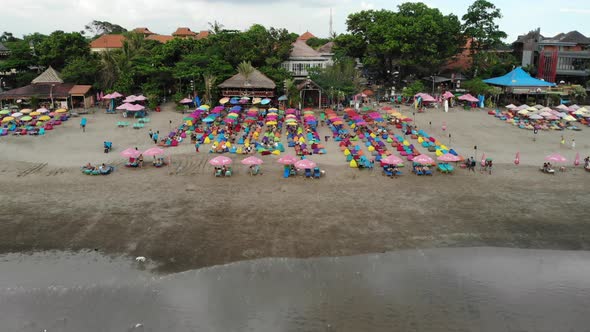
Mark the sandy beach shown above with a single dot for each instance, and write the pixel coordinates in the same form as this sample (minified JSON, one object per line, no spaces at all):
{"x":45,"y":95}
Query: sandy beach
{"x":182,"y":217}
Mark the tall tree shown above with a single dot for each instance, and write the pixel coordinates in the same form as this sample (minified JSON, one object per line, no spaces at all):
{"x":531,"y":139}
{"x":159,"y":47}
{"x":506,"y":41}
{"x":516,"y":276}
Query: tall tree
{"x":59,"y":47}
{"x":245,"y":69}
{"x":99,"y":28}
{"x":416,"y":38}
{"x":481,"y":28}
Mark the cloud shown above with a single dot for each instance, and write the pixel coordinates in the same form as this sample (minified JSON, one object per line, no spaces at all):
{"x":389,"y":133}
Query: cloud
{"x":367,"y":5}
{"x":574,"y":10}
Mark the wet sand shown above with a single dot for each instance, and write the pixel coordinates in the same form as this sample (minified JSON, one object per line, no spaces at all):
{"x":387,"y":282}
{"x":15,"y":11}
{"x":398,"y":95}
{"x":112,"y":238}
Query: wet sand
{"x":183,"y":218}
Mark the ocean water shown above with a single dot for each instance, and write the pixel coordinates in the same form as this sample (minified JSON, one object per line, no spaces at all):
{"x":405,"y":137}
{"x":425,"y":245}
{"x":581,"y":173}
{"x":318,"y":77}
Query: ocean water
{"x":455,"y":289}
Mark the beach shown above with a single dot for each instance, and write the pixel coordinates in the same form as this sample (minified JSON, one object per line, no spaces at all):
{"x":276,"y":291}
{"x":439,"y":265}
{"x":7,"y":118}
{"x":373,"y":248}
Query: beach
{"x":182,"y":217}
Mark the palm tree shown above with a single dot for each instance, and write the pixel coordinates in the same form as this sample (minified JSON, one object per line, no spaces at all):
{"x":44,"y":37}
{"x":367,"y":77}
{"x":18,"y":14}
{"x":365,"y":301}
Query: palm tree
{"x":292,"y":92}
{"x":246,"y":69}
{"x":209,"y":83}
{"x":215,"y":27}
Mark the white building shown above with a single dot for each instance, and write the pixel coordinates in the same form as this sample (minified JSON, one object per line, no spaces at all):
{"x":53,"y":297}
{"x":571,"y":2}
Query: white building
{"x":303,"y":58}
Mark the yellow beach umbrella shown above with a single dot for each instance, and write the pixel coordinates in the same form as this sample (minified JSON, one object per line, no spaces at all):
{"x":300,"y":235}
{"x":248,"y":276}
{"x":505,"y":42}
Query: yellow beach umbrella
{"x":61,"y":110}
{"x":35,"y":113}
{"x":44,"y":118}
{"x":523,"y":112}
{"x":7,"y":119}
{"x":223,"y":100}
{"x":271,"y":123}
{"x":256,"y":101}
{"x":26,"y":111}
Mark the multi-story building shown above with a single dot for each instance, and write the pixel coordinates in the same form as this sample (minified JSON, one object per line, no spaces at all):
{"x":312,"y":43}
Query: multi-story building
{"x":564,"y":57}
{"x":303,"y":57}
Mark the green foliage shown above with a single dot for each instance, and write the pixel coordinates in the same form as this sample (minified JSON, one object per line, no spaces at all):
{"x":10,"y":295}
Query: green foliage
{"x":317,"y":42}
{"x":294,"y":98}
{"x":7,"y":37}
{"x":579,"y":93}
{"x":98,"y":28}
{"x":412,"y":89}
{"x":341,"y":76}
{"x":416,"y":38}
{"x":82,"y":70}
{"x":245,"y":69}
{"x":59,"y":47}
{"x":481,"y":26}
{"x":476,"y":87}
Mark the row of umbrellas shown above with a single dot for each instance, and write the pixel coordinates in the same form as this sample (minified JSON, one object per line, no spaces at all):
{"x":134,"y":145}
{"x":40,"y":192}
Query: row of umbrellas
{"x":28,"y":114}
{"x":244,"y":100}
{"x":285,"y":160}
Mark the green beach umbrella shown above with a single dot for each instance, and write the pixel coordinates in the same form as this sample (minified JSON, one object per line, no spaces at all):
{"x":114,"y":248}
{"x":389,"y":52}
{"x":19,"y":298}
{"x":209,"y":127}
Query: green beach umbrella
{"x":26,"y":118}
{"x":3,"y":112}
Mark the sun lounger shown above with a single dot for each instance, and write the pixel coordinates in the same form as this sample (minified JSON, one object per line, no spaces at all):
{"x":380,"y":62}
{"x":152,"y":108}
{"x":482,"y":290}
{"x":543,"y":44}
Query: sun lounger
{"x":316,"y":173}
{"x":286,"y":172}
{"x":144,"y":120}
{"x":138,"y":125}
{"x":308,"y":173}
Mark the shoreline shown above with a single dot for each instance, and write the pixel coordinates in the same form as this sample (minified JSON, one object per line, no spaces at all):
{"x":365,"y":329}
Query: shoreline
{"x":206,"y":221}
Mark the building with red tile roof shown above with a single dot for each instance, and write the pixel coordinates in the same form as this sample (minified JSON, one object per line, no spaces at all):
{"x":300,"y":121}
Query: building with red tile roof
{"x":184,"y":33}
{"x":143,"y":31}
{"x":306,"y":36}
{"x":160,"y":38}
{"x":107,"y":42}
{"x":203,"y":34}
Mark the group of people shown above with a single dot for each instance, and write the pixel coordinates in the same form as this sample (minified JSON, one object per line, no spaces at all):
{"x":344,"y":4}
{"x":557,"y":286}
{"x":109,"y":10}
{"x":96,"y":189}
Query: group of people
{"x":102,"y":169}
{"x":222,"y":171}
{"x":547,"y":168}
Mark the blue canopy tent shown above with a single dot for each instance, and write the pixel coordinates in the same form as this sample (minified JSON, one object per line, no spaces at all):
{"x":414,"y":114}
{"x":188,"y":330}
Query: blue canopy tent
{"x":518,"y":78}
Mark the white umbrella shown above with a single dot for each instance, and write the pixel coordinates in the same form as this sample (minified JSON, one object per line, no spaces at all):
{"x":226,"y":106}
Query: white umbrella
{"x":535,"y":117}
{"x":17,"y":114}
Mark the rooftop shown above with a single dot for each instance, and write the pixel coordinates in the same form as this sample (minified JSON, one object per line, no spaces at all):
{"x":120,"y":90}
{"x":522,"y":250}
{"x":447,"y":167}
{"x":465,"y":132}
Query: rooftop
{"x":183,"y":32}
{"x":49,"y":76}
{"x":307,"y":35}
{"x":326,"y":48}
{"x":108,"y":41}
{"x":144,"y":31}
{"x":302,"y":50}
{"x":4,"y":48}
{"x":160,"y":38}
{"x":203,"y":34}
{"x":80,"y":90}
{"x":257,"y":80}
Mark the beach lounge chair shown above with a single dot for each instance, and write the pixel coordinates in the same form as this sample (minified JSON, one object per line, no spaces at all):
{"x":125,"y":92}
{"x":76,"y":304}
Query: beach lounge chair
{"x":308,"y":173}
{"x":41,"y":132}
{"x":228,"y":172}
{"x":286,"y":172}
{"x":317,"y":173}
{"x":386,"y":172}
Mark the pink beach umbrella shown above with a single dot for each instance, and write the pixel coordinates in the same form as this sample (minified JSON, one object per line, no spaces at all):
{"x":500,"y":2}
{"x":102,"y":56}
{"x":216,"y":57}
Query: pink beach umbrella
{"x":305,"y":164}
{"x":135,"y":107}
{"x":556,"y":158}
{"x":124,"y":106}
{"x":140,"y":98}
{"x":252,"y":161}
{"x":220,"y":161}
{"x":116,"y":95}
{"x":43,"y":110}
{"x":186,"y":101}
{"x":423,"y":159}
{"x":153,"y":151}
{"x":130,"y":153}
{"x":577,"y":159}
{"x":483,"y":159}
{"x":287,"y":160}
{"x":392,"y":160}
{"x":447,"y":157}
{"x":129,"y":99}
{"x":107,"y":96}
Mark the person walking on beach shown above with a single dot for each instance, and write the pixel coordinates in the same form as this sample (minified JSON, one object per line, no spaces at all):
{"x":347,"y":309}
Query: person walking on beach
{"x":562,"y":140}
{"x":197,"y":146}
{"x":151,"y":133}
{"x":155,"y":137}
{"x":573,"y":144}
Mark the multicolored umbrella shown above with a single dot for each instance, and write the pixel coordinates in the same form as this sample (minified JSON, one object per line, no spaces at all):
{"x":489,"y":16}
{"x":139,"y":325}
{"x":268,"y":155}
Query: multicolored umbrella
{"x":265,"y":101}
{"x":224,"y":100}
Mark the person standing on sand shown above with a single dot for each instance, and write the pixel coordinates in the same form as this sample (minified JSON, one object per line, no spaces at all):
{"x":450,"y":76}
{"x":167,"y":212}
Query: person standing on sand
{"x":562,"y":141}
{"x":151,"y":133}
{"x":197,"y":146}
{"x":155,"y":137}
{"x":573,"y":144}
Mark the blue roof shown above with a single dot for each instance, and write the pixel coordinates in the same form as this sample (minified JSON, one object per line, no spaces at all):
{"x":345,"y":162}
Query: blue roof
{"x":517,"y":77}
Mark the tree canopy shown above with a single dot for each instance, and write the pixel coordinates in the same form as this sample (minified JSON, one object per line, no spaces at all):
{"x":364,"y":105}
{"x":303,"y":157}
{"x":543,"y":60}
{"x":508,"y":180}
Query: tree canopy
{"x":415,"y":38}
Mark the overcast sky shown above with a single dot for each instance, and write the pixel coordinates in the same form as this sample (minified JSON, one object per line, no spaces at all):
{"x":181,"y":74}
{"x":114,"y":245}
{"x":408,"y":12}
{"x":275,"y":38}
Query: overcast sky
{"x":164,"y":16}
